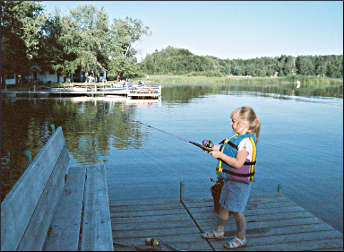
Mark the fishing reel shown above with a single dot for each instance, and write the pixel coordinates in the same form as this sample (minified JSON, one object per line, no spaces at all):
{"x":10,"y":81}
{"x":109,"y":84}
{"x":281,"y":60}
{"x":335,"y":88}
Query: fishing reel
{"x":208,"y":143}
{"x":152,"y":242}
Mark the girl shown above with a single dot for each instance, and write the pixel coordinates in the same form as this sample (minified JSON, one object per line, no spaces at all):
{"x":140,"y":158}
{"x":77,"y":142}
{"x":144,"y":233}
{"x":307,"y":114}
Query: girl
{"x":236,"y":165}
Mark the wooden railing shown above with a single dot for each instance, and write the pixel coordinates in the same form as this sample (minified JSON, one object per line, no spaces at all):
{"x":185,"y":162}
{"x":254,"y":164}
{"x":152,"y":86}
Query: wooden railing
{"x":52,"y":204}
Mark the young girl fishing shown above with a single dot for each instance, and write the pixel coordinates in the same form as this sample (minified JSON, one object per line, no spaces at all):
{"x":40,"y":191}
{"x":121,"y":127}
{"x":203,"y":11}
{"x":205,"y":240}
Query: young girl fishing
{"x":236,"y":157}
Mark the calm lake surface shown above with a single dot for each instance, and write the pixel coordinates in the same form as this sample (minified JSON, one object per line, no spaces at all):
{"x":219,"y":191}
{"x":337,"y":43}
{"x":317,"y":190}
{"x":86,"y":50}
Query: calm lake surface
{"x":301,"y":144}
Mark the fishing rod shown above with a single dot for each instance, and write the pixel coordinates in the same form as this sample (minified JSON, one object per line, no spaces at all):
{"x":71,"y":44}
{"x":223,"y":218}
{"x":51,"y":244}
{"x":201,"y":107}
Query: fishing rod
{"x":206,"y":144}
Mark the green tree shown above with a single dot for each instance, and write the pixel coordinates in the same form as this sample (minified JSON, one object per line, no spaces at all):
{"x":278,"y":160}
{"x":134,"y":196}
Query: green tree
{"x":286,"y":65}
{"x":21,"y":32}
{"x":122,"y":35}
{"x":88,"y":26}
{"x":304,"y":65}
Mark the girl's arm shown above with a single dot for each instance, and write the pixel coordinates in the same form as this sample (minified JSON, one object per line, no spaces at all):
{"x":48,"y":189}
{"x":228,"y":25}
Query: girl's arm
{"x":236,"y":162}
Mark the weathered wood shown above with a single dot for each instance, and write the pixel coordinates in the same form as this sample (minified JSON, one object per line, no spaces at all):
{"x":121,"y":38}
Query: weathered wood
{"x":296,"y":245}
{"x":207,"y":216}
{"x":160,"y":202}
{"x":153,"y":224}
{"x":145,"y":207}
{"x":65,"y":227}
{"x":148,"y":206}
{"x":205,"y":213}
{"x":147,"y":213}
{"x":37,"y":228}
{"x":263,"y":225}
{"x":273,"y":223}
{"x":291,"y":229}
{"x":329,"y":249}
{"x":150,"y":218}
{"x":169,"y":226}
{"x":18,"y":207}
{"x":96,"y":225}
{"x":41,"y":199}
{"x":155,"y":232}
{"x":184,"y":241}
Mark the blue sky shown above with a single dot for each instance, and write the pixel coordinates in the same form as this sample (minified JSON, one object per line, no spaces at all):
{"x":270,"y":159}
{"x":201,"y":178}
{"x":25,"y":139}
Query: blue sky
{"x":231,"y":29}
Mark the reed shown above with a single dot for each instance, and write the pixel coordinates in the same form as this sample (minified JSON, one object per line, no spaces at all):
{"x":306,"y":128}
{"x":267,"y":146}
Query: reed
{"x":310,"y":86}
{"x":185,"y":79}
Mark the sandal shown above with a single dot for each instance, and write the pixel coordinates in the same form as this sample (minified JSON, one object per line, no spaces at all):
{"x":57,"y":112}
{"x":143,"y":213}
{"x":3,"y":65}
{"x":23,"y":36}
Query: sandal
{"x":235,"y":243}
{"x":213,"y":235}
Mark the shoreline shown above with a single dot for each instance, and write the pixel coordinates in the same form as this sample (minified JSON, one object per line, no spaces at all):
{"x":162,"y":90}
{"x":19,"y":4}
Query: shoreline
{"x":171,"y":79}
{"x":293,"y":85}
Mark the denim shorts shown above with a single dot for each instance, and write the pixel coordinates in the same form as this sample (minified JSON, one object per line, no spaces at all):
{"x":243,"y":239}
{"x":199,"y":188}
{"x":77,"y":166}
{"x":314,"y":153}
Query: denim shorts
{"x":234,"y":196}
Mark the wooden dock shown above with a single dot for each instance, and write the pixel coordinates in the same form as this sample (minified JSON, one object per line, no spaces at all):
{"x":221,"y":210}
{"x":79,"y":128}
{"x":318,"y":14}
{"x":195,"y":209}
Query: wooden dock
{"x":144,"y":92}
{"x":54,"y":206}
{"x":273,"y":223}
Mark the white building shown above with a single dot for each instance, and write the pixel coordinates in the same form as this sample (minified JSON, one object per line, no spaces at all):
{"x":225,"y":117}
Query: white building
{"x":38,"y":75}
{"x":10,"y":79}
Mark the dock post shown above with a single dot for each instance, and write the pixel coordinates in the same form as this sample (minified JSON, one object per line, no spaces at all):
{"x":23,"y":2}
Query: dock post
{"x":279,"y":187}
{"x":28,"y":155}
{"x":52,"y":127}
{"x":181,"y":191}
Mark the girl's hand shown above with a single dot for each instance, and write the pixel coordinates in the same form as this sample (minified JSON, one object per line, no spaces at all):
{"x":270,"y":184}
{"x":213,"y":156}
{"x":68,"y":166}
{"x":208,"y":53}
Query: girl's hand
{"x":216,"y":153}
{"x":216,"y":148}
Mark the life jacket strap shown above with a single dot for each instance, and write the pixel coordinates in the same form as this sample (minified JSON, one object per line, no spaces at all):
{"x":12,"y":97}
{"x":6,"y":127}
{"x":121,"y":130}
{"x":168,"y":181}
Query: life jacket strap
{"x":227,"y":141}
{"x":222,"y":142}
{"x":234,"y":173}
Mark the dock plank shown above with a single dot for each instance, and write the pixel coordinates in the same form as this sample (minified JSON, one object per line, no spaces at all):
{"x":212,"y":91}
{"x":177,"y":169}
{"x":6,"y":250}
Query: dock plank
{"x":27,"y":195}
{"x":273,"y":223}
{"x":298,"y":245}
{"x":191,"y":242}
{"x":65,"y":226}
{"x":36,"y":231}
{"x":150,"y":219}
{"x":153,"y":224}
{"x":169,"y":222}
{"x":96,"y":226}
{"x":275,"y":241}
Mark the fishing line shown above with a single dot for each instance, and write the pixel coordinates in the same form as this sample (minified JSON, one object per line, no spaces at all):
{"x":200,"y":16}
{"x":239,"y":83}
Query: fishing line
{"x":167,"y":133}
{"x":204,"y":147}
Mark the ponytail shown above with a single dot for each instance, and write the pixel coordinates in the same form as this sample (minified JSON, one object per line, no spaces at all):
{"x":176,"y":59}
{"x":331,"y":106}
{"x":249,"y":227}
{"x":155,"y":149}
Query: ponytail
{"x":256,"y":128}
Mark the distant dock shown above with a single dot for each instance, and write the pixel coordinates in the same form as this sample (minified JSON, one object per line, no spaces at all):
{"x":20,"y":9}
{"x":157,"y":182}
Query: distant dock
{"x":145,"y":91}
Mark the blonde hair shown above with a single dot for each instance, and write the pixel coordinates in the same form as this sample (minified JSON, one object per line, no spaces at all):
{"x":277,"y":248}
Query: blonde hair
{"x":247,"y":113}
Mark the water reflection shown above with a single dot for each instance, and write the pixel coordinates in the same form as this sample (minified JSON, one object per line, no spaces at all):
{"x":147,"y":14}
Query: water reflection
{"x":183,"y":93}
{"x":94,"y":126}
{"x":90,"y":126}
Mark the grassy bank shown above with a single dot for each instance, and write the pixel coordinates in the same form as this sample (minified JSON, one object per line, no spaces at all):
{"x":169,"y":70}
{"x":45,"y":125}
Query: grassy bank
{"x":185,"y":79}
{"x":309,"y":85}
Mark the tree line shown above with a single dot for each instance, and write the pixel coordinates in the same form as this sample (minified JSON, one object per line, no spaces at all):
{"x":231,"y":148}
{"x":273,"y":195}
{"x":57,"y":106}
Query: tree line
{"x":83,"y":41}
{"x":181,"y":61}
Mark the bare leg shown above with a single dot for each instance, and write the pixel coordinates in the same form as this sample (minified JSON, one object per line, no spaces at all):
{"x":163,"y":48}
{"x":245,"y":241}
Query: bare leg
{"x":223,"y":217}
{"x":241,"y":225}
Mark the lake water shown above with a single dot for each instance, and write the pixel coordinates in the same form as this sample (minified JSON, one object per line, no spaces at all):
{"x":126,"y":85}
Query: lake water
{"x":301,"y":144}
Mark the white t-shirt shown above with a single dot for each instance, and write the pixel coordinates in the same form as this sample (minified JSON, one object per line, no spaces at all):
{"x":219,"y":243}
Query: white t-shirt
{"x":246,"y":145}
